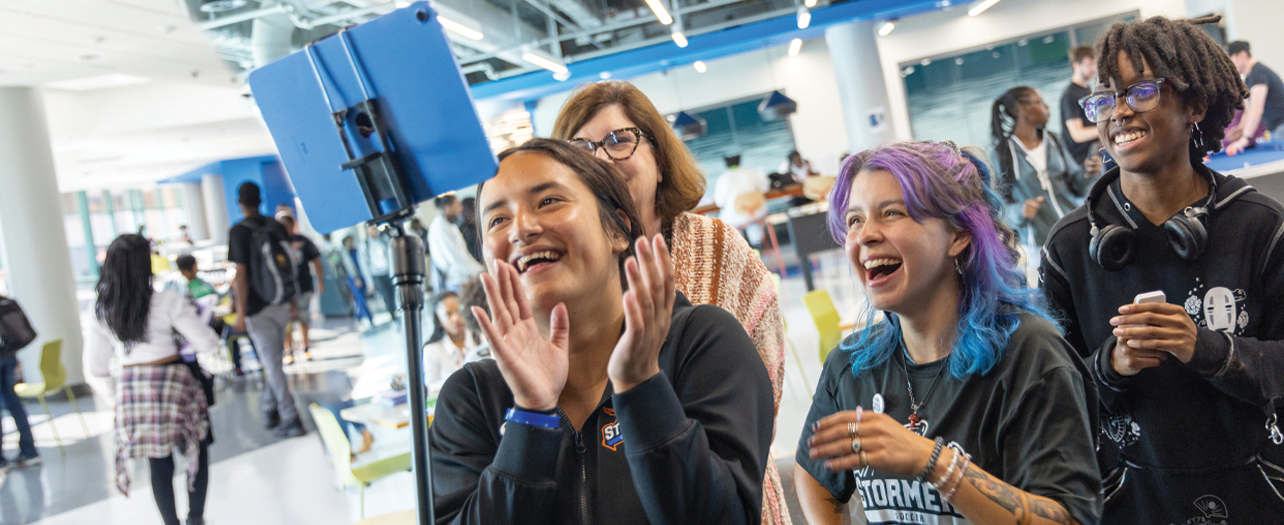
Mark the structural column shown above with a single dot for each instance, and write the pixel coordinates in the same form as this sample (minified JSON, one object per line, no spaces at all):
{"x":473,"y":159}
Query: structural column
{"x":194,"y":204}
{"x":33,"y":243}
{"x":866,"y":110}
{"x":215,"y":207}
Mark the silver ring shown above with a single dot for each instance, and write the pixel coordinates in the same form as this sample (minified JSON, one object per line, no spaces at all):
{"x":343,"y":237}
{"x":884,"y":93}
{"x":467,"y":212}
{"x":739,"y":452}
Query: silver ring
{"x":851,"y":430}
{"x":856,"y":445}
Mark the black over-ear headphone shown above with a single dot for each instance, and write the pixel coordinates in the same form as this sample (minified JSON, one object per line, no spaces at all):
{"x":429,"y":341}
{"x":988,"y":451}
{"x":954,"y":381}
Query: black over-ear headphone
{"x":1114,"y":246}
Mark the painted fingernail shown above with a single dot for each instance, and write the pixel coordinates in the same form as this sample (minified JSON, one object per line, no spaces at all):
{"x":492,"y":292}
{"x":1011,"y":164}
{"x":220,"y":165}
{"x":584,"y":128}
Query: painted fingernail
{"x":811,"y":441}
{"x":829,"y":466}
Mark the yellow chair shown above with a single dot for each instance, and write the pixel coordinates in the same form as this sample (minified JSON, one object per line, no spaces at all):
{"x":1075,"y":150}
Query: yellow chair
{"x":55,"y":379}
{"x":336,"y":442}
{"x":827,"y":320}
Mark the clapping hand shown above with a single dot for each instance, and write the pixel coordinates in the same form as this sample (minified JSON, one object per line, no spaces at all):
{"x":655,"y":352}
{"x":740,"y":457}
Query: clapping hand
{"x":535,"y":368}
{"x":648,"y":309}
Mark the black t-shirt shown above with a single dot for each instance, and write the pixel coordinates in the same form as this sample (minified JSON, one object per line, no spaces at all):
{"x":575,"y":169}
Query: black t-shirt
{"x":1030,"y":422}
{"x":1273,"y":114}
{"x":1070,"y":108}
{"x":240,"y":245}
{"x":307,"y":252}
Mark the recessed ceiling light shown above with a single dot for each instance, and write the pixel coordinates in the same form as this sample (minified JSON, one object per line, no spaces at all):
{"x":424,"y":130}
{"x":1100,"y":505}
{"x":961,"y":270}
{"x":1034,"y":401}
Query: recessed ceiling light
{"x":98,"y":82}
{"x":88,"y":57}
{"x":218,"y":6}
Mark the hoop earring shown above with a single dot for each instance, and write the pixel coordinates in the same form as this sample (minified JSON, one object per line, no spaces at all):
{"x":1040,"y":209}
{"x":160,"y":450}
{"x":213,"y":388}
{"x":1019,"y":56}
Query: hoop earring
{"x":1198,"y":142}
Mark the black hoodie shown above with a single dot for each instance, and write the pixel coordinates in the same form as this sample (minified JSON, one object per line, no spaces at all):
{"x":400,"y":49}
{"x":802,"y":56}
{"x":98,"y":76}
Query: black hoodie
{"x":1184,"y":441}
{"x":686,"y":446}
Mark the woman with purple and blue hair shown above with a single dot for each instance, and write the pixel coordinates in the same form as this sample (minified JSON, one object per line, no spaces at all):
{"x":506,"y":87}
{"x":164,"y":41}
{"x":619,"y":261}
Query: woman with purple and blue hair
{"x":963,"y":404}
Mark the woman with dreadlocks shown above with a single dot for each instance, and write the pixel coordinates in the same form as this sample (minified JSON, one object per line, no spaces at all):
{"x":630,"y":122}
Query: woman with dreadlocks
{"x":1190,"y":380}
{"x":1039,"y":181}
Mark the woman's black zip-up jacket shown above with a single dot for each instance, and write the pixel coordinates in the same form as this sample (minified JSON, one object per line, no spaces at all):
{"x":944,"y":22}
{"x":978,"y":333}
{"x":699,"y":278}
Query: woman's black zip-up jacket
{"x":689,"y":445}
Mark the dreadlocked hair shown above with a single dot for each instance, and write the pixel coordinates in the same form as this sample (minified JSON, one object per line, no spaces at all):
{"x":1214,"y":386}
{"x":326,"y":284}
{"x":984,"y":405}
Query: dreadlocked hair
{"x":1003,"y":118}
{"x":1190,"y":61}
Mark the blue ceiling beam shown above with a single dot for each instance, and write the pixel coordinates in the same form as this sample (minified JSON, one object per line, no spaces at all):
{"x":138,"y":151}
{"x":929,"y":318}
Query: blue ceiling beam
{"x":709,"y":46}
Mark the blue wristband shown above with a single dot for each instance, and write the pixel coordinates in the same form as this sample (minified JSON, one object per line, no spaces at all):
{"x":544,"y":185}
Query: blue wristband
{"x":531,"y":418}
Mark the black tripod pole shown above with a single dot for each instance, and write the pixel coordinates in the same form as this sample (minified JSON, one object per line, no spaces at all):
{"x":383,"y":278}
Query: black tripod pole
{"x":408,"y":275}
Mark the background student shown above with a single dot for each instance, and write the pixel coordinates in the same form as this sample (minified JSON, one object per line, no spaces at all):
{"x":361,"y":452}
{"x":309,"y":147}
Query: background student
{"x":1079,"y":135}
{"x":1038,"y":179}
{"x":1265,"y":103}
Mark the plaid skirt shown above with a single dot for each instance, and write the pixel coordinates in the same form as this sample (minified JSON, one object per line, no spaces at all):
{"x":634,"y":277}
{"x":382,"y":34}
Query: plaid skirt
{"x":158,"y":409}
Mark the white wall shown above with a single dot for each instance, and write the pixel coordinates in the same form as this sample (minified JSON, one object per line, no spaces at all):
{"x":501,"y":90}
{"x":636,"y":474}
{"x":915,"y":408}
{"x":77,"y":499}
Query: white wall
{"x":944,"y":32}
{"x":1258,"y":22}
{"x":138,"y":134}
{"x":808,"y":78}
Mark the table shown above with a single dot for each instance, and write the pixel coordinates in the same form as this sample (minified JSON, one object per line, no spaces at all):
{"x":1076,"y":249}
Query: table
{"x":792,"y":190}
{"x":380,"y":414}
{"x":1265,"y":159}
{"x":809,"y":233}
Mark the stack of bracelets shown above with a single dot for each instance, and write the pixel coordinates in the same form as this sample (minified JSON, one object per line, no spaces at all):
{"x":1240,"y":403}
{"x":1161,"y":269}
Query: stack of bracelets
{"x":950,"y":481}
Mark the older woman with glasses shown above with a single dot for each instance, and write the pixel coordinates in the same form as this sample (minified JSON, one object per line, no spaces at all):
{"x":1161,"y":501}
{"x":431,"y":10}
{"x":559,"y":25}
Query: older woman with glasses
{"x":713,"y":263}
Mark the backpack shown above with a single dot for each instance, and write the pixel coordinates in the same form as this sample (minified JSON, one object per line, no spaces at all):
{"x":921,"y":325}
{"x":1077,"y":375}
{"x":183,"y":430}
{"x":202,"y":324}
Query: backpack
{"x":272,"y":264}
{"x":15,"y":329}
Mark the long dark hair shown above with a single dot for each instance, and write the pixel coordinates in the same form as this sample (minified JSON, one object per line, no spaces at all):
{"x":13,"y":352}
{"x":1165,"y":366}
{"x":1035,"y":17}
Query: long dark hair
{"x":615,"y":205}
{"x":1003,"y":118}
{"x":125,"y":288}
{"x":439,"y":331}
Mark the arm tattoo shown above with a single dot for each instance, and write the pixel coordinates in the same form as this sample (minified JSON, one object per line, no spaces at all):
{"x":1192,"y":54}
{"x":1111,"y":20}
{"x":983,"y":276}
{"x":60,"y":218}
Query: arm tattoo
{"x":1051,"y":511}
{"x":839,"y":506}
{"x":1023,"y":507}
{"x":1005,"y":495}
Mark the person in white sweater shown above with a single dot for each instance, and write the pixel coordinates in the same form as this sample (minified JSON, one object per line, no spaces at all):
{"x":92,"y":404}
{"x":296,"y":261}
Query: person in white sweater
{"x":160,"y":402}
{"x":450,"y":345}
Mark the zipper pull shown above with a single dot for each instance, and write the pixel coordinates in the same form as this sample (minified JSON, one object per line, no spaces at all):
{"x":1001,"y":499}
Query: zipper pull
{"x":579,"y":443}
{"x":1272,"y":424}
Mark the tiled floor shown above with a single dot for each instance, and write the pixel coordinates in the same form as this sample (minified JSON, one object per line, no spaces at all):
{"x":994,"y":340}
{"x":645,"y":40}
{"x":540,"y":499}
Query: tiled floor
{"x":256,"y":478}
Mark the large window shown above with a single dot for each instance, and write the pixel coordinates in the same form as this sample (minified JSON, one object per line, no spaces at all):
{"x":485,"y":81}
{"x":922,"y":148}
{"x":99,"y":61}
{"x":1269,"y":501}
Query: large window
{"x":736,"y":128}
{"x":950,"y":97}
{"x":114,"y":212}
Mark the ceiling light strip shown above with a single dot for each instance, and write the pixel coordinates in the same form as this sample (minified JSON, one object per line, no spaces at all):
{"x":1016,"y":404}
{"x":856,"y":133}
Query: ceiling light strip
{"x":981,"y":7}
{"x":460,"y":29}
{"x":660,"y":12}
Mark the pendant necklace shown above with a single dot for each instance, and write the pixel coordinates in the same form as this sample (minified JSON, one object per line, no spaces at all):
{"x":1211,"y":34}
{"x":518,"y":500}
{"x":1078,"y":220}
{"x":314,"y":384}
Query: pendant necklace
{"x":913,"y":417}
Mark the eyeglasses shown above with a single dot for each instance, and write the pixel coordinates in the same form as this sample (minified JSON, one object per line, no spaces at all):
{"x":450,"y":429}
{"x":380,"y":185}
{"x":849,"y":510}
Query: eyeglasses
{"x":619,"y":144}
{"x":1141,"y":97}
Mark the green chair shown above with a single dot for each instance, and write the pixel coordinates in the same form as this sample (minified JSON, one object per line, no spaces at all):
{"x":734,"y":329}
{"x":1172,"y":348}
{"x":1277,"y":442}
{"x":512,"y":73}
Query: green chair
{"x":55,"y":379}
{"x":827,"y":320}
{"x":336,"y":442}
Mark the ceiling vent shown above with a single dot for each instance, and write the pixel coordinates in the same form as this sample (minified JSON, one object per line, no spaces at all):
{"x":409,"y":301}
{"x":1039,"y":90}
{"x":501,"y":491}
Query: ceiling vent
{"x":776,"y":106}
